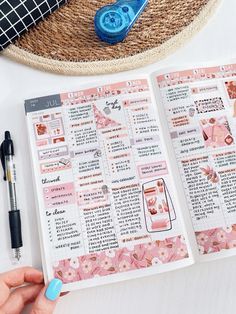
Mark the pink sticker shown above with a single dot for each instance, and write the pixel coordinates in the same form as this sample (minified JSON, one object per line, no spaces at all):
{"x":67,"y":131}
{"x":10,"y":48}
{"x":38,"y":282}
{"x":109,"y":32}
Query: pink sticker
{"x":188,"y":76}
{"x":121,"y":260}
{"x":53,"y":152}
{"x":93,"y":195}
{"x":216,"y":240}
{"x":93,"y":94}
{"x":59,"y":195}
{"x":152,"y":170}
{"x":62,"y":164}
{"x":42,"y":143}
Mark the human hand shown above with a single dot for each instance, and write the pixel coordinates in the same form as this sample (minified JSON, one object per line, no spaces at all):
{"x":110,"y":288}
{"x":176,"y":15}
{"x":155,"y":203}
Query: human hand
{"x":14,"y":297}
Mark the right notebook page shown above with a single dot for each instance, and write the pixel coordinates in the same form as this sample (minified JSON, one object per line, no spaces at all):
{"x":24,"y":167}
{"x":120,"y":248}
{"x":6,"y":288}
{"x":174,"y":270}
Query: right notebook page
{"x":200,"y":110}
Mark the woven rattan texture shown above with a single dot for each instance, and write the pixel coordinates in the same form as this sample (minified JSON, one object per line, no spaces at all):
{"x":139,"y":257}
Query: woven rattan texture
{"x":65,"y":43}
{"x":69,"y":33}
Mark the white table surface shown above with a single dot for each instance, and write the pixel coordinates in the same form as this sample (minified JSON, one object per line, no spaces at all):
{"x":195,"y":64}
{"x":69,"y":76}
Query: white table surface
{"x":207,"y":288}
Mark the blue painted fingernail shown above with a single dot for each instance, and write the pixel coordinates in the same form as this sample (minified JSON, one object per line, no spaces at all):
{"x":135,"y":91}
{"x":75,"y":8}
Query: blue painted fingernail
{"x":54,"y":289}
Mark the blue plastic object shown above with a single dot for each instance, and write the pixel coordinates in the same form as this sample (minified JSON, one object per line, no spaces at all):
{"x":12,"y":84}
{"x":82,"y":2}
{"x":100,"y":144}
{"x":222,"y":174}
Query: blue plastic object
{"x":113,"y":22}
{"x":54,"y":289}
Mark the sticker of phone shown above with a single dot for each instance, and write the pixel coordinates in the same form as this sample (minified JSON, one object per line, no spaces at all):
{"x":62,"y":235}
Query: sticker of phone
{"x":158,"y":206}
{"x":169,"y":199}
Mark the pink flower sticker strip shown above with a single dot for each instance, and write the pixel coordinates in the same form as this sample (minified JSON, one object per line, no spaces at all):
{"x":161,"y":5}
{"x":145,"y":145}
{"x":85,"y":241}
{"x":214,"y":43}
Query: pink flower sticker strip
{"x":121,"y":260}
{"x":216,"y":240}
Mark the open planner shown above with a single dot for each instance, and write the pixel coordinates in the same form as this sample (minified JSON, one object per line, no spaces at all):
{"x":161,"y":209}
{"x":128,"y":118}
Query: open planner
{"x":137,"y":176}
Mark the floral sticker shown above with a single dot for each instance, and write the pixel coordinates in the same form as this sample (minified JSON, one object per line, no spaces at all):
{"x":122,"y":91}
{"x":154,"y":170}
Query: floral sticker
{"x":121,"y":260}
{"x":231,"y":89}
{"x":216,"y":240}
{"x":216,"y":132}
{"x":103,"y":121}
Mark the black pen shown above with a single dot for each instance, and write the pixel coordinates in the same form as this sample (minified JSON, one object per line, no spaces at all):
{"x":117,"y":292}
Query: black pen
{"x":7,"y":159}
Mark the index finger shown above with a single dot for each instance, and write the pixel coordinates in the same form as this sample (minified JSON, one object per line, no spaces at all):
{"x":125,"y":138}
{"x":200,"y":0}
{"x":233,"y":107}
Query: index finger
{"x":16,"y":278}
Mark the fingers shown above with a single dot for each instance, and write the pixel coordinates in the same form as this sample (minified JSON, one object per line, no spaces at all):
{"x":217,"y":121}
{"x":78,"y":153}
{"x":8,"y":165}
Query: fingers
{"x":47,"y":299}
{"x":16,"y":278}
{"x":20,"y":297}
{"x":21,"y":275}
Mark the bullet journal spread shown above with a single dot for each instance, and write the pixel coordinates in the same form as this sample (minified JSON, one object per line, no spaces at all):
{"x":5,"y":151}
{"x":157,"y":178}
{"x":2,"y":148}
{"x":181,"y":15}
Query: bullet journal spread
{"x":135,"y":177}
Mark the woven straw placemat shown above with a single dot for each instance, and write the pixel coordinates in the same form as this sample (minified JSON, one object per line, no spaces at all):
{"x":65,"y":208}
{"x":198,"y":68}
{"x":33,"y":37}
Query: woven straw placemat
{"x":66,"y":42}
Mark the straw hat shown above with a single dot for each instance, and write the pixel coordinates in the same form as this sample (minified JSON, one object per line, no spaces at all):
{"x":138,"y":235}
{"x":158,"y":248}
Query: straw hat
{"x":66,"y":42}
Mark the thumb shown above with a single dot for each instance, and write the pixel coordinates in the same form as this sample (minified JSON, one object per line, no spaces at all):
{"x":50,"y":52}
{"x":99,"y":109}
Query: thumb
{"x":47,"y":299}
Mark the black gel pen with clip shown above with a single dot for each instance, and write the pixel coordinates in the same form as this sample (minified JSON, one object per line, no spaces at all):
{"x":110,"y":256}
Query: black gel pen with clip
{"x":7,"y":159}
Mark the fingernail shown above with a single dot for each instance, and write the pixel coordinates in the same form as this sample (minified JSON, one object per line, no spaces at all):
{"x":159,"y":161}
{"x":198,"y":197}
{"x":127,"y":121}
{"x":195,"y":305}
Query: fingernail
{"x":54,"y":289}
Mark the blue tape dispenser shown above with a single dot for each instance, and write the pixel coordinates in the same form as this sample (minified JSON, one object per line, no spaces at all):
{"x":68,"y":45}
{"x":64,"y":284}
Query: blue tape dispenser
{"x":113,"y":22}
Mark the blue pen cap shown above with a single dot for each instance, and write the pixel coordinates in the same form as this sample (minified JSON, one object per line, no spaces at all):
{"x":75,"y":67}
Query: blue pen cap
{"x":113,"y":22}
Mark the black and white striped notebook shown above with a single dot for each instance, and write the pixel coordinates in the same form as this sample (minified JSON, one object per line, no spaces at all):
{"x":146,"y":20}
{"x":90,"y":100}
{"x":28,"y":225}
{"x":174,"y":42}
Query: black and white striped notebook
{"x":17,"y":16}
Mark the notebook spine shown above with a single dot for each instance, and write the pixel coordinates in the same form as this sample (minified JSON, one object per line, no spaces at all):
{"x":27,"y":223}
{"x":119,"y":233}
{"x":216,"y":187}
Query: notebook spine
{"x":18,"y":16}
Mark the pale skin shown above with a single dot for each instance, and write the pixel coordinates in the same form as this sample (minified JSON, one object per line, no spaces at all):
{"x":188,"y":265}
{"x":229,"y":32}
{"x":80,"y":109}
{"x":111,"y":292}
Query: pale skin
{"x":22,"y":286}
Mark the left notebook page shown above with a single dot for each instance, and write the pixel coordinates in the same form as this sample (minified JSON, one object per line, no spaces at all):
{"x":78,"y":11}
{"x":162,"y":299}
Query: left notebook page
{"x":107,"y":209}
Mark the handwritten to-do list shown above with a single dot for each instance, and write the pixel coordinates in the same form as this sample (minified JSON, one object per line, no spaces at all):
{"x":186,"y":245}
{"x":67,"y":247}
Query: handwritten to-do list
{"x":103,"y":182}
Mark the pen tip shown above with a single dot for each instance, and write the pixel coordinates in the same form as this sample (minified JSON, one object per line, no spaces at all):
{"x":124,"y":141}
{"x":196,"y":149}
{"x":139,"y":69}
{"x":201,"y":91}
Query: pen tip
{"x":18,"y":254}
